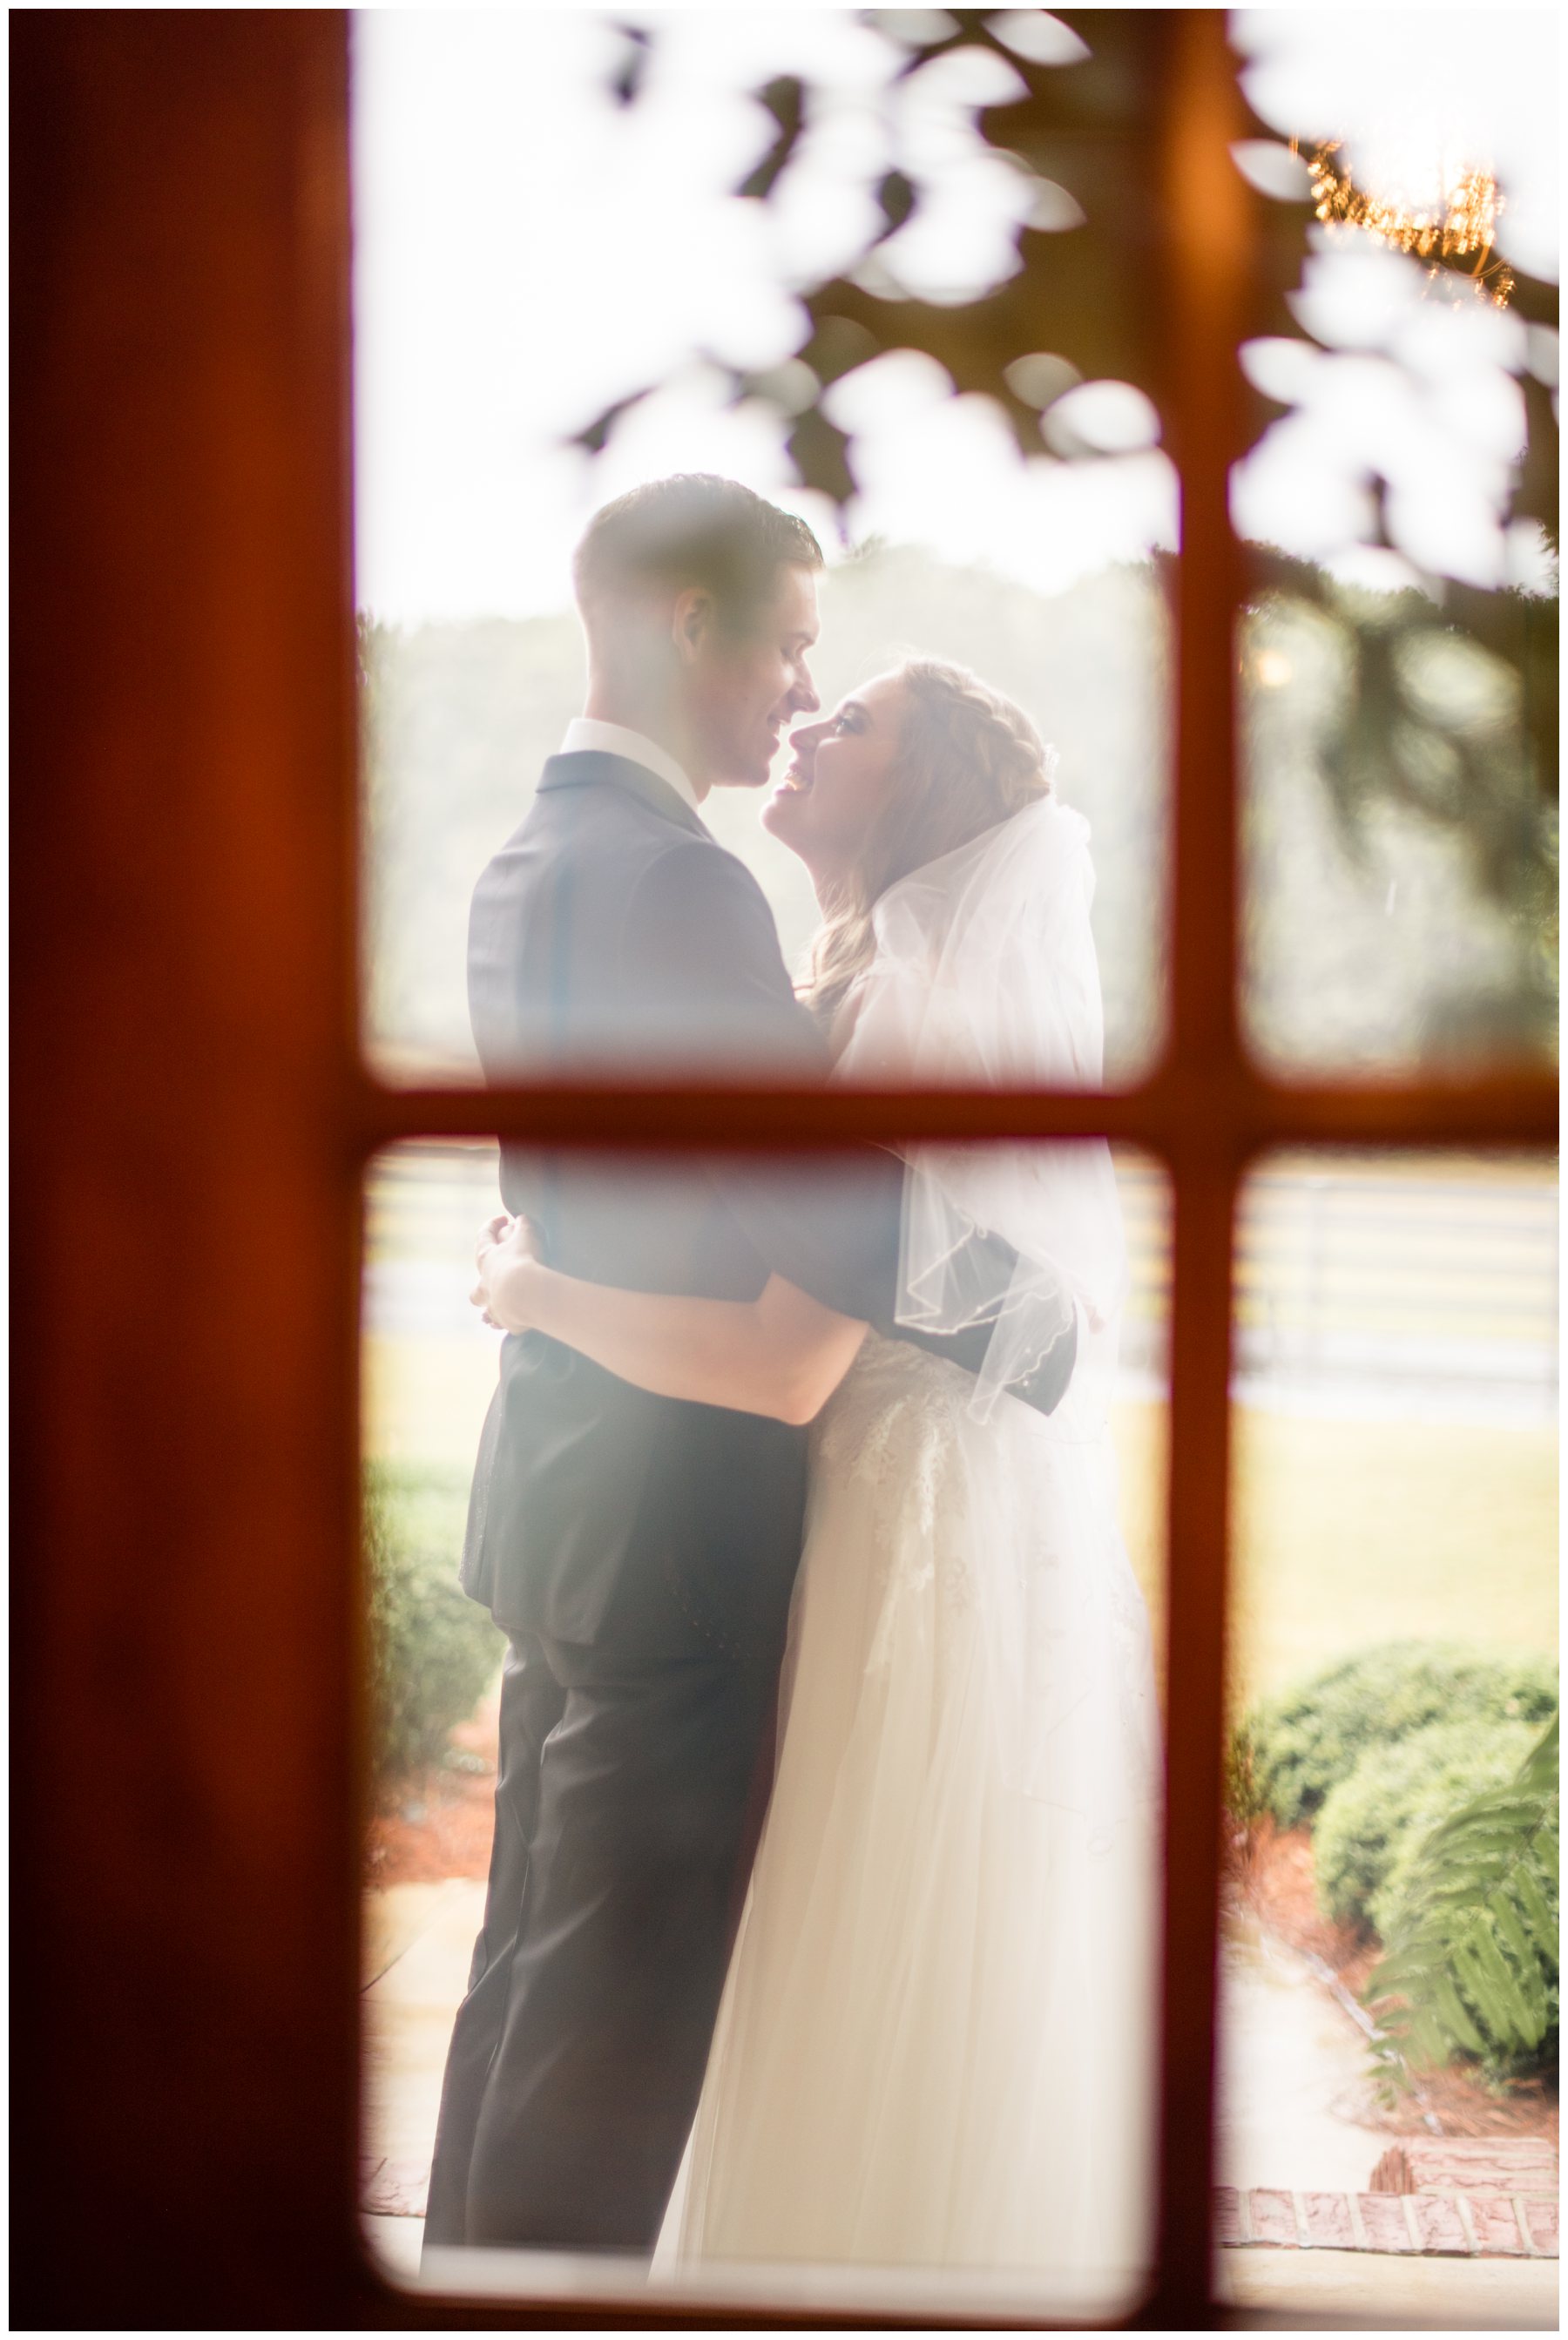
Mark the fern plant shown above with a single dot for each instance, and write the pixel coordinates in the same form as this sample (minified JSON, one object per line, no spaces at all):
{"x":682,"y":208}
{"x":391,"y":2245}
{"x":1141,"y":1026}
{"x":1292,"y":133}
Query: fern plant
{"x":1471,"y":1965}
{"x":1371,"y":1827}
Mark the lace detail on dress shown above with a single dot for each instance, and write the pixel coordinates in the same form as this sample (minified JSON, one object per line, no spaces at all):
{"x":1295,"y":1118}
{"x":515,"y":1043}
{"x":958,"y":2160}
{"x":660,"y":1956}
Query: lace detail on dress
{"x":893,"y":1429}
{"x":1006,"y":1528}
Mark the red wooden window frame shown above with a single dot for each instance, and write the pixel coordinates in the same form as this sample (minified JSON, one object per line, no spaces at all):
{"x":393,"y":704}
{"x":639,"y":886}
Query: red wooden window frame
{"x":192,"y":1122}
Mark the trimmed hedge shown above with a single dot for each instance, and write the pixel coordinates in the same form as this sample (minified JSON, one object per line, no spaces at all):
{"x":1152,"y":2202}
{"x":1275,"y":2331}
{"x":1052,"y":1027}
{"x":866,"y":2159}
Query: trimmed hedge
{"x":432,"y":1649}
{"x":1371,"y":1824}
{"x":1294,"y":1750}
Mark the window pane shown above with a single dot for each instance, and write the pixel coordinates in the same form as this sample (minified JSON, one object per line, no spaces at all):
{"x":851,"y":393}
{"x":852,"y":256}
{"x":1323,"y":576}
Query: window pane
{"x":1394,"y":1659}
{"x":931,"y":2075}
{"x":1399,"y":658}
{"x":531,"y":250}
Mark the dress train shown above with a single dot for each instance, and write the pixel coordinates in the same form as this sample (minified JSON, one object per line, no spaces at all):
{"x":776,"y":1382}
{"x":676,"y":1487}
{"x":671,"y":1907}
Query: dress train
{"x":935,"y":2045}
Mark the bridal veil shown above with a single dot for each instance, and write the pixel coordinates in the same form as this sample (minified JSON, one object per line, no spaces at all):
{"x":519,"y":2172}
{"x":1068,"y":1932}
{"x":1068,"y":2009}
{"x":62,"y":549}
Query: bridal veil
{"x":985,"y":977}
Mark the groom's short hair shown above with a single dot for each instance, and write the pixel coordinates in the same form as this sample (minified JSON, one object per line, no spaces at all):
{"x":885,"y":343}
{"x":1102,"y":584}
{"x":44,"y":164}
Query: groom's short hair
{"x":693,"y":529}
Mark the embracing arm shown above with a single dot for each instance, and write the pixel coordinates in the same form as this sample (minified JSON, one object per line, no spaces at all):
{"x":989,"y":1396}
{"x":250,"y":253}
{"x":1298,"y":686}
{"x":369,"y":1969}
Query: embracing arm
{"x":782,"y":1353}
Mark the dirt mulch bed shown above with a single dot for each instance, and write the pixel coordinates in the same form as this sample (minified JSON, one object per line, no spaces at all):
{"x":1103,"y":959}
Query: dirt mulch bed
{"x":439,"y":1824}
{"x":1270,"y":1874}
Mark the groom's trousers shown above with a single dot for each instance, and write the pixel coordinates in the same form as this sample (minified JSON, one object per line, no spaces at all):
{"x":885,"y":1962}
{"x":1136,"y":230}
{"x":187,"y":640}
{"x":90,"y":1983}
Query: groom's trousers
{"x":578,"y":2054}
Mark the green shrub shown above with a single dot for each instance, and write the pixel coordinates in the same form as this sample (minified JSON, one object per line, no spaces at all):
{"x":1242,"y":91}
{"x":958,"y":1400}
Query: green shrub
{"x":1238,"y":1788}
{"x":1371,"y":1824}
{"x":1471,"y":1927}
{"x":432,"y":1649}
{"x":1298,"y":1746}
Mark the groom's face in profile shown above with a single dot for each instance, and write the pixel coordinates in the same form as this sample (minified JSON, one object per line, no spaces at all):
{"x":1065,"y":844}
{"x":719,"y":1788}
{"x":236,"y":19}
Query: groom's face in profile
{"x":747,"y":678}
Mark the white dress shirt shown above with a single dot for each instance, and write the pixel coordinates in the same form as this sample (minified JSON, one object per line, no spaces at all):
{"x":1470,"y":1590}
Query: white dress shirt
{"x":585,"y":735}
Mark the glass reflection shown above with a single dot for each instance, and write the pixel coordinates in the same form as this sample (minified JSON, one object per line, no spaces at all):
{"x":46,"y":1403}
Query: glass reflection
{"x":933,"y":2052}
{"x":1393,"y":1660}
{"x":461,"y":721}
{"x":1399,"y":661}
{"x":964,"y":540}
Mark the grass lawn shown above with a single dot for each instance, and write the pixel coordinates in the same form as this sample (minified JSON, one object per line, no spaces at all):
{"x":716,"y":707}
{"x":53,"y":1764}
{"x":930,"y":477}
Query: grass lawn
{"x":1346,"y":1533}
{"x":1349,"y":1532}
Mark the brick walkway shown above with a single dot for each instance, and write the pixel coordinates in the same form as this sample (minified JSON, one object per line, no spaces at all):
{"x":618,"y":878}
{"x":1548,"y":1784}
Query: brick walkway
{"x":1441,"y":2226}
{"x":1422,"y":2202}
{"x":1444,"y":2225}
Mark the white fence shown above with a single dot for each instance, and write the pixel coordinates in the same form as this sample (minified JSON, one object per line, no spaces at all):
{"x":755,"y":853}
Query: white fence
{"x":1383,"y":1282}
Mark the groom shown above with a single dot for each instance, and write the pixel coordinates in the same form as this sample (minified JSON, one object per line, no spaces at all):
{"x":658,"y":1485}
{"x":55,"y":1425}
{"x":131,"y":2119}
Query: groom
{"x":639,"y":1552}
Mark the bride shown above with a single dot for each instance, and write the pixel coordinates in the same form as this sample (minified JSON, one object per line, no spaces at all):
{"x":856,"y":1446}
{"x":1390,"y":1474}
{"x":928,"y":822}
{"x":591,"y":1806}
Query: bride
{"x":934,"y":2045}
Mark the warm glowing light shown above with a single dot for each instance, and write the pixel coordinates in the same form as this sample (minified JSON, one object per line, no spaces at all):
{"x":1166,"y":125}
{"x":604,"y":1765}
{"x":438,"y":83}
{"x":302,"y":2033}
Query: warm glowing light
{"x":1461,"y":224}
{"x":1273,"y":670}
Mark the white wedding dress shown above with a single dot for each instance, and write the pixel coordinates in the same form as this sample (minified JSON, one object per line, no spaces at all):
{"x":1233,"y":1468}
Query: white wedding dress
{"x":935,"y":2045}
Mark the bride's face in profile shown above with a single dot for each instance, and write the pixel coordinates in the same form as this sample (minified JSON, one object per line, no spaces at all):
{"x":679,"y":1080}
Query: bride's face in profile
{"x":841,"y":772}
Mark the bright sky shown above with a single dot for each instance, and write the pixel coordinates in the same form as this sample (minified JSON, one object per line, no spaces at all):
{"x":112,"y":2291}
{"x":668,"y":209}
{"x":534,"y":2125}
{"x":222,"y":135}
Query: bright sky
{"x":526,"y":252}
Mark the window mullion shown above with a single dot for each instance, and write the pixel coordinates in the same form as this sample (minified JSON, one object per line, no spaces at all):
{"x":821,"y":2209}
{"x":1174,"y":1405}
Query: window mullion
{"x":1205,"y":258}
{"x":1189,"y":1099}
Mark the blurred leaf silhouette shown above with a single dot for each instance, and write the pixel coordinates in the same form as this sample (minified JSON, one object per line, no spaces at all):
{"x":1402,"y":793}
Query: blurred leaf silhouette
{"x":1451,"y":715}
{"x":626,"y":82}
{"x":1082,"y":298}
{"x":785,"y":101}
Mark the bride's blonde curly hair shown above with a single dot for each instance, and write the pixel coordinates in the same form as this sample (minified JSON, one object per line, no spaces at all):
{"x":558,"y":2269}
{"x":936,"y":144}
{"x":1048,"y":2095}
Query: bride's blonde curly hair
{"x":969,"y":757}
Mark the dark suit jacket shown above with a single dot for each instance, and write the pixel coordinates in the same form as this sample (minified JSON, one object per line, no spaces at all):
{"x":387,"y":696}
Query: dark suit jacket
{"x":613,"y":932}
